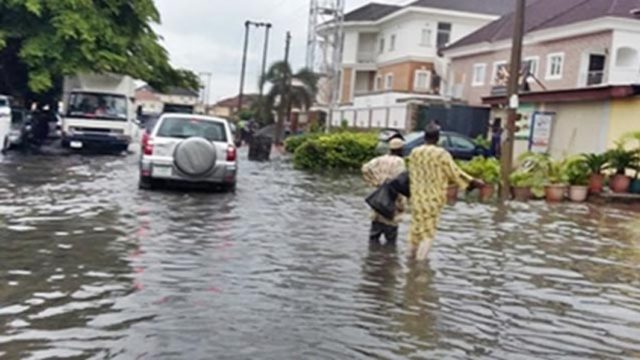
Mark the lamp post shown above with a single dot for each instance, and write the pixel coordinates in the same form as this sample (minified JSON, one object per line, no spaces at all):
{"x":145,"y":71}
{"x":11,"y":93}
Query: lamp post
{"x":247,"y":28}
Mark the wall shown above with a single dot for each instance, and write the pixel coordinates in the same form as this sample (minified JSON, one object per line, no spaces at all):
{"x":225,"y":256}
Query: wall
{"x":346,"y":94}
{"x":622,"y":75}
{"x":350,"y":47}
{"x":403,"y":74}
{"x":395,"y":117}
{"x":625,"y":118}
{"x":579,"y":128}
{"x":573,"y":48}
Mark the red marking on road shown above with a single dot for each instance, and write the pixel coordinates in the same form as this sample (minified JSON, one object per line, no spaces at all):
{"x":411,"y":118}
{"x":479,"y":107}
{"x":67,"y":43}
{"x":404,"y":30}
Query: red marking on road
{"x":214,"y":289}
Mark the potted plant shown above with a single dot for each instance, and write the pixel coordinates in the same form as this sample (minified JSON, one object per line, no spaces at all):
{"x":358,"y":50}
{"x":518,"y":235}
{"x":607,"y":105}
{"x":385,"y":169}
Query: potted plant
{"x":621,"y":159}
{"x":538,"y":166}
{"x":487,"y":170}
{"x":635,"y":184}
{"x":597,"y":163}
{"x":556,"y":187}
{"x":521,"y":183}
{"x":577,"y":173}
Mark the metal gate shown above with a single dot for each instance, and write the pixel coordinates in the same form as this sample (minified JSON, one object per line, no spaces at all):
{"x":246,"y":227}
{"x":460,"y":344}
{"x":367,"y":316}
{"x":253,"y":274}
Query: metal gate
{"x":465,"y":120}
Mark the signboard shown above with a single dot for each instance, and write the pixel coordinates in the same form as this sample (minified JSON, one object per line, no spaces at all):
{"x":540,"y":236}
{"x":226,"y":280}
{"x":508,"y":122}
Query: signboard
{"x":525,"y":122}
{"x":542,"y":126}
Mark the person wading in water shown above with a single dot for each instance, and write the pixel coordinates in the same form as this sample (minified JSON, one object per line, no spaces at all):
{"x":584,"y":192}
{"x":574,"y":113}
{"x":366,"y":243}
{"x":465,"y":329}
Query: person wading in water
{"x":431,"y":170}
{"x":376,"y":173}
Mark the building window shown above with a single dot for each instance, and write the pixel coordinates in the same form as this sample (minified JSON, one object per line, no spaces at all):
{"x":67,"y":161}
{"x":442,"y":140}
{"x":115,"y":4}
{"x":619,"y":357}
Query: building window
{"x":422,"y":80}
{"x":425,"y":39}
{"x":531,"y":65}
{"x":444,"y":34}
{"x":381,"y":49}
{"x":555,"y":66}
{"x":378,"y":84}
{"x":500,"y":75}
{"x":479,"y":74}
{"x":392,"y":43}
{"x":388,"y":84}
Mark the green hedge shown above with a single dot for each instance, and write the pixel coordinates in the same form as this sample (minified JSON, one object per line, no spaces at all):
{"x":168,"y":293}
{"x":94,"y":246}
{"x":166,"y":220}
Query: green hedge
{"x":294,"y":142}
{"x":341,"y":151}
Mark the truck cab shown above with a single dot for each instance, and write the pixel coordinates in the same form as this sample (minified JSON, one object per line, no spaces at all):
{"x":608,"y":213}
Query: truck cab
{"x":99,"y":112}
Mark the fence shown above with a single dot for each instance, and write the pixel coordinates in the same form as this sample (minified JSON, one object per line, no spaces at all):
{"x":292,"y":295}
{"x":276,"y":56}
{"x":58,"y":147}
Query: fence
{"x":390,"y":117}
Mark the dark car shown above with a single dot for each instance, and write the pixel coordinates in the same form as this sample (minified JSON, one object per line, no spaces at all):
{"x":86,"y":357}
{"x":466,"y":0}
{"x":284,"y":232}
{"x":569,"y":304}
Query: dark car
{"x":460,"y":146}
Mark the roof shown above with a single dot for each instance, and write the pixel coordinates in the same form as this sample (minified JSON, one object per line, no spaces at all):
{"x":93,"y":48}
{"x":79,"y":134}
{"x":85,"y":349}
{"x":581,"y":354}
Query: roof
{"x":232,"y":102}
{"x":371,"y":12}
{"x":172,"y":90}
{"x":489,"y":7}
{"x":546,"y":14}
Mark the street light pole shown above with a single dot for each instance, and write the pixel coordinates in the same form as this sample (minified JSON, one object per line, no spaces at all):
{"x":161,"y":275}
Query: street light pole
{"x":264,"y":58}
{"x":512,"y":99}
{"x":247,"y":24}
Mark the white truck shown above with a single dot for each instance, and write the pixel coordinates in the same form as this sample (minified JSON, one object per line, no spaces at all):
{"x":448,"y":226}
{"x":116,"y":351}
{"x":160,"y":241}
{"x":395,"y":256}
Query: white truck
{"x":99,"y":112}
{"x":5,"y":122}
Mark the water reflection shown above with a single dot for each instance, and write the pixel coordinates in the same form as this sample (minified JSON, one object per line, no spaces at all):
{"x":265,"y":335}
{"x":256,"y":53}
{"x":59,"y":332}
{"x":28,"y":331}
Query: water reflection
{"x":90,"y":267}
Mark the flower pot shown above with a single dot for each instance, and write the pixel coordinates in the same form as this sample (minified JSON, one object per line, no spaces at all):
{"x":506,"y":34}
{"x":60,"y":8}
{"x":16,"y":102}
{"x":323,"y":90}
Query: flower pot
{"x":521,"y":193}
{"x":635,"y":186}
{"x":555,"y":193}
{"x":578,"y":193}
{"x":620,"y":183}
{"x":596,"y":183}
{"x":452,"y":194}
{"x":486,"y":192}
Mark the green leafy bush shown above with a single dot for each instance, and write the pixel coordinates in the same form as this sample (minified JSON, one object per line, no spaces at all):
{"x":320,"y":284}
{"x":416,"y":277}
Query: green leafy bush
{"x":596,"y":162}
{"x":486,"y":169}
{"x":342,"y":151}
{"x":577,"y":171}
{"x":294,"y":142}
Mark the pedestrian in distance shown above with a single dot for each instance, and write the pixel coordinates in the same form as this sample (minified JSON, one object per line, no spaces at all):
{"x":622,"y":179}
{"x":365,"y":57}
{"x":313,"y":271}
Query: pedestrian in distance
{"x":376,"y":173}
{"x":431,"y":170}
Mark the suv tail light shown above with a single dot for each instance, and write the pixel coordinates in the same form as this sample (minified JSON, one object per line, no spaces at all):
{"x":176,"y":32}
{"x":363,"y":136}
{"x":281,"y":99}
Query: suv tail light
{"x":231,"y":153}
{"x":147,"y":144}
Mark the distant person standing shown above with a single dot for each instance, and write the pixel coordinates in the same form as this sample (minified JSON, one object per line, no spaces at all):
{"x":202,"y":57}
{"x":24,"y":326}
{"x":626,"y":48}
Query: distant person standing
{"x":431,"y":170}
{"x":496,"y":138}
{"x":376,"y":173}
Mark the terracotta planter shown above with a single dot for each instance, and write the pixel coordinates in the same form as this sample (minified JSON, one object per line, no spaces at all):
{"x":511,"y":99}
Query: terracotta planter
{"x":635,"y":186}
{"x":521,"y":193}
{"x":486,"y":192}
{"x":555,"y":193}
{"x":578,"y":193}
{"x":452,"y":194}
{"x":596,"y":183}
{"x":620,"y":183}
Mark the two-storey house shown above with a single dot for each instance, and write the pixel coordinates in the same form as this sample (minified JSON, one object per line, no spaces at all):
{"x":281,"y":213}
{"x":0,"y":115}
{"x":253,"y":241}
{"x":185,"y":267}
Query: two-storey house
{"x":391,"y":56}
{"x":580,"y":60}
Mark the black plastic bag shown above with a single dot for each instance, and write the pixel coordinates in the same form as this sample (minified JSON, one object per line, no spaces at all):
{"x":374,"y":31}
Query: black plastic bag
{"x":401,"y":184}
{"x":383,"y":201}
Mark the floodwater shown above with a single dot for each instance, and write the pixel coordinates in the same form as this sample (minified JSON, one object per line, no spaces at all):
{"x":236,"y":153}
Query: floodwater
{"x":93,"y":268}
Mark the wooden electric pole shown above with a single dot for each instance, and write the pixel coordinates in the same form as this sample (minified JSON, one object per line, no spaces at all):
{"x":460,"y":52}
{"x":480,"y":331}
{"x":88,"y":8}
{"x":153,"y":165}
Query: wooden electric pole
{"x":512,"y":99}
{"x":284,"y":97}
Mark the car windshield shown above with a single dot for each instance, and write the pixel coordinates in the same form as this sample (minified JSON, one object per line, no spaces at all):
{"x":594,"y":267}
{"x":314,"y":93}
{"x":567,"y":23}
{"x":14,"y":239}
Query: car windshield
{"x":185,"y":128}
{"x":4,"y":103}
{"x":413,"y":137}
{"x":98,"y":106}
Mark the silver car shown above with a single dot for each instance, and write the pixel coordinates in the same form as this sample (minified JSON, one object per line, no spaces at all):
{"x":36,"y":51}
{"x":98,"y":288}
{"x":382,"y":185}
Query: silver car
{"x":189,"y":149}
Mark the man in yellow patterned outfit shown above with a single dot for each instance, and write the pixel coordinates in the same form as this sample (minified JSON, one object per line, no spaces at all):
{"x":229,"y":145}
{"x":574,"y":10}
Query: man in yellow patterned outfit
{"x":431,"y":171}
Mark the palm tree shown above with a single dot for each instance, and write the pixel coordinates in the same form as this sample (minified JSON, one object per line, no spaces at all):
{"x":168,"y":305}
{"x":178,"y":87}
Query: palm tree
{"x":288,"y":90}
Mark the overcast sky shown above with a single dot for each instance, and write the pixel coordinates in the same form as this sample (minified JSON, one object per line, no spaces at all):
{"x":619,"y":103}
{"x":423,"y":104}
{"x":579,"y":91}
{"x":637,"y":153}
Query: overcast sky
{"x":207,"y":36}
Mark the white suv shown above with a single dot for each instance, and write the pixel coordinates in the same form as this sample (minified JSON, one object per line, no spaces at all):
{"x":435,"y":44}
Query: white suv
{"x":189,"y":149}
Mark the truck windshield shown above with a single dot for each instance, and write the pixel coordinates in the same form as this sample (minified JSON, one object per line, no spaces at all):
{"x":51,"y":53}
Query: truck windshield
{"x":98,"y":106}
{"x":4,"y":103}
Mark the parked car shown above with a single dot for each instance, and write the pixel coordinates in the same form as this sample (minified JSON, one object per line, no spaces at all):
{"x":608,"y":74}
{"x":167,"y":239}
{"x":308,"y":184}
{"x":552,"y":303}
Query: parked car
{"x":20,"y":128}
{"x":189,"y":149}
{"x":461,"y":147}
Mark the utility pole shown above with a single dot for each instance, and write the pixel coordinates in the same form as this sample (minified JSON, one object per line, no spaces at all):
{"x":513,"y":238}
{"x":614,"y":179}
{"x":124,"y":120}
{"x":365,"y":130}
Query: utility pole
{"x":264,"y":58}
{"x":285,"y":97}
{"x":247,"y":24}
{"x":512,"y":99}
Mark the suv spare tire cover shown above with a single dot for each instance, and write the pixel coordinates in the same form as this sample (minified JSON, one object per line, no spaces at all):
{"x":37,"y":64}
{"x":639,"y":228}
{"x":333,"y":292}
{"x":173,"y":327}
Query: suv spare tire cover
{"x":195,"y":156}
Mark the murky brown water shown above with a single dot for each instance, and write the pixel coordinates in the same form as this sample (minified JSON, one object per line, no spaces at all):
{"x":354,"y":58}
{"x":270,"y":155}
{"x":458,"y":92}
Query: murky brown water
{"x":92,"y":268}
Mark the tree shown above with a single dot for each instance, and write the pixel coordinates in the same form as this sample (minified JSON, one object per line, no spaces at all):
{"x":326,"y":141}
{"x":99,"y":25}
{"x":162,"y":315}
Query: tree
{"x":288,"y":89}
{"x":41,"y":41}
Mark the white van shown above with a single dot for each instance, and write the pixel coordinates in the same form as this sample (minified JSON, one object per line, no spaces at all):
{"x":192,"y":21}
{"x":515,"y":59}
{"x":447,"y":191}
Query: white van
{"x":5,"y":122}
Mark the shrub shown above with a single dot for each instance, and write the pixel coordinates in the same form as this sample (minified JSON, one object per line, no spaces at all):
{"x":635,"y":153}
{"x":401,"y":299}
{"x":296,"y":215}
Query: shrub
{"x":342,"y":151}
{"x":488,"y":170}
{"x":578,"y":171}
{"x":294,"y":142}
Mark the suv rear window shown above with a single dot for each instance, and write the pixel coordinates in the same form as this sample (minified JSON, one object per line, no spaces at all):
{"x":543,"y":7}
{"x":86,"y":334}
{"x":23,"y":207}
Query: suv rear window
{"x":185,"y":128}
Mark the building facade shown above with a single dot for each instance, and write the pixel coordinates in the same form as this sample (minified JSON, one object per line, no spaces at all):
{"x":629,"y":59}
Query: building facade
{"x":391,"y":57}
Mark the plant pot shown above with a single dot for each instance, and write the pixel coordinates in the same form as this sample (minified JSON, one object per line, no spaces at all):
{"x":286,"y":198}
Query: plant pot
{"x":487,"y":192}
{"x":596,"y":183}
{"x":555,"y":193}
{"x":635,"y":186}
{"x":521,"y":193}
{"x":620,"y":183}
{"x":452,"y":194}
{"x":578,"y":193}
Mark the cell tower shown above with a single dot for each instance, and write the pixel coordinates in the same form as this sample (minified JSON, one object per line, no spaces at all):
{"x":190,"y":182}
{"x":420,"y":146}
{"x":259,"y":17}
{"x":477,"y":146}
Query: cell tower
{"x":324,"y":45}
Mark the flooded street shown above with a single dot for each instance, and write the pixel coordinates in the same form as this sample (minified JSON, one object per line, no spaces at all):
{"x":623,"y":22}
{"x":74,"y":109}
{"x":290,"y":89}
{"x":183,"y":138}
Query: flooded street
{"x":93,"y":268}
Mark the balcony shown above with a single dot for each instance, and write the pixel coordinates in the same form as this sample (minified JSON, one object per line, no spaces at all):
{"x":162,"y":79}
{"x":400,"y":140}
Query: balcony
{"x":366,"y":57}
{"x":595,"y":78}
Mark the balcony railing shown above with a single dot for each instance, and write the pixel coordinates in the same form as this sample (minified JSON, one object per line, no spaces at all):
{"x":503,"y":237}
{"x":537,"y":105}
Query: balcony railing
{"x":366,"y":57}
{"x":595,"y":78}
